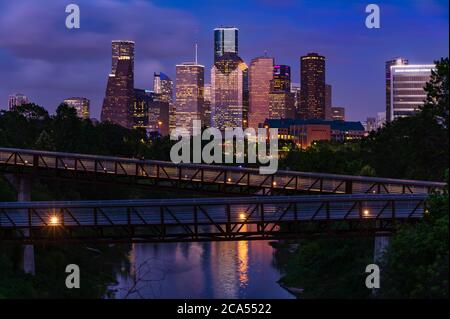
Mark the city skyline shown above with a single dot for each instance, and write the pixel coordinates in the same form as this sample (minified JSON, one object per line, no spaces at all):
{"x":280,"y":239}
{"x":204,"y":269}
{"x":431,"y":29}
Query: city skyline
{"x":77,"y":66}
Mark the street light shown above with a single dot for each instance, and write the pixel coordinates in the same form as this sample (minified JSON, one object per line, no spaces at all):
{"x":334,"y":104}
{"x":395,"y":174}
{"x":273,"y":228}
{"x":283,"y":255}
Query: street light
{"x":54,"y":220}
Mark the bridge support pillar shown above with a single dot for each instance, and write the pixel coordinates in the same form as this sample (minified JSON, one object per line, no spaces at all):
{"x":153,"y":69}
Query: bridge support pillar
{"x":23,"y":188}
{"x":381,"y":243}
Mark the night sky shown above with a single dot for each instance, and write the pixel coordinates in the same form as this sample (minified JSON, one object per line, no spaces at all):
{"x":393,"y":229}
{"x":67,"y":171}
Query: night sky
{"x":42,"y":59}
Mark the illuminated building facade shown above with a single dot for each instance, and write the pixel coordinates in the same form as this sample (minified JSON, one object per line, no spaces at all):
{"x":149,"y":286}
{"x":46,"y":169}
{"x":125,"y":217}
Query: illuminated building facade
{"x":281,"y":105}
{"x":118,"y":102}
{"x":206,"y":120}
{"x":228,"y":98}
{"x":190,"y":81}
{"x":17,"y":99}
{"x":281,"y":80}
{"x":260,"y":76}
{"x":150,"y":112}
{"x":337,"y":113}
{"x":141,"y":103}
{"x":281,"y":100}
{"x":407,"y":88}
{"x":305,"y":132}
{"x":312,"y":98}
{"x":396,"y":61}
{"x":81,"y":105}
{"x":163,"y":86}
{"x":225,"y":41}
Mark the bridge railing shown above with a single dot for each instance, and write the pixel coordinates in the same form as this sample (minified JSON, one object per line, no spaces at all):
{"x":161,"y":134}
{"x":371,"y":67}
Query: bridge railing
{"x":209,"y":218}
{"x":229,"y":178}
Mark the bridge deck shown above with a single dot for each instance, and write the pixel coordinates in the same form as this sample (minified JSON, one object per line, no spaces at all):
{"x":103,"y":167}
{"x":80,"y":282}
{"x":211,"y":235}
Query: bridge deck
{"x":207,"y":218}
{"x":198,"y":176}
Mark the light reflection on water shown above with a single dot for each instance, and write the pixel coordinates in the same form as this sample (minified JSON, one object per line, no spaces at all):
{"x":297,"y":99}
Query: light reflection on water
{"x":238,"y":269}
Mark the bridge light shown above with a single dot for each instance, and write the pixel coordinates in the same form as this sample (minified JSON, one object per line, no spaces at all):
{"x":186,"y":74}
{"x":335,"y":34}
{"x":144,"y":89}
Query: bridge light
{"x":54,"y":220}
{"x":242,"y":216}
{"x":366,"y":212}
{"x":274,"y":183}
{"x":229,"y":179}
{"x":427,"y":211}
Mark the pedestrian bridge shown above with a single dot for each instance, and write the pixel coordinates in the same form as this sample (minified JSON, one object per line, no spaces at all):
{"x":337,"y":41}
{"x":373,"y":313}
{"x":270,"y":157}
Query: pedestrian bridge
{"x":198,"y":177}
{"x":208,"y":219}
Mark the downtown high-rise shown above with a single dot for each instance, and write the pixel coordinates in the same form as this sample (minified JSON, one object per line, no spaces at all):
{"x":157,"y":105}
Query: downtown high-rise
{"x":281,"y":100}
{"x":312,"y":97}
{"x":190,"y":81}
{"x":80,"y":104}
{"x":407,"y":85}
{"x":260,"y":75}
{"x":163,"y":86}
{"x":118,"y":102}
{"x":396,"y":61}
{"x":16,"y":100}
{"x":228,"y":92}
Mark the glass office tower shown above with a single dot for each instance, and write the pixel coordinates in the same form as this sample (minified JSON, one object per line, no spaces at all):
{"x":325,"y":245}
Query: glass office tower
{"x":225,"y":41}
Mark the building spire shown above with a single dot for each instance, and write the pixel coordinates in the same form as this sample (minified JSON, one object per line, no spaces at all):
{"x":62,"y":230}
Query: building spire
{"x":196,"y":53}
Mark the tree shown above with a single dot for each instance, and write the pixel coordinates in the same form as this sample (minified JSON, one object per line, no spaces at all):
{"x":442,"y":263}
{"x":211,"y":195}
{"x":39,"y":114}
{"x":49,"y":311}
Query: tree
{"x":45,"y":142}
{"x":416,"y":263}
{"x":437,"y":102}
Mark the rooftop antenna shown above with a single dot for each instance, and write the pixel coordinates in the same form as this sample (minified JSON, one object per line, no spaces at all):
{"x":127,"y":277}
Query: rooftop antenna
{"x":196,"y":53}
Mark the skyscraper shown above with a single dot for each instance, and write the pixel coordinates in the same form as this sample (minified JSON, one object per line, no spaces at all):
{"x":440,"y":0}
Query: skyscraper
{"x":163,"y":86}
{"x":407,"y":88}
{"x":396,"y":61}
{"x":141,"y":103}
{"x":190,"y":81}
{"x":118,"y":102}
{"x":228,"y":100}
{"x":281,"y":100}
{"x":225,"y":41}
{"x":81,"y":105}
{"x":150,"y":112}
{"x":17,"y":99}
{"x":312,"y":73}
{"x":328,"y":101}
{"x":260,"y":75}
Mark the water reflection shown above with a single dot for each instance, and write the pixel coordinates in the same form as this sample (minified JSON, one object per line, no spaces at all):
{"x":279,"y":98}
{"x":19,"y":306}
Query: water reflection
{"x":241,"y":269}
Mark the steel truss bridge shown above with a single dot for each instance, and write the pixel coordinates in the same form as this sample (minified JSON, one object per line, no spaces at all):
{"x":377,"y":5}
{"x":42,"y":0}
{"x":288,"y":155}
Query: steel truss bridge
{"x":207,"y":178}
{"x":208,"y":219}
{"x":341,"y":204}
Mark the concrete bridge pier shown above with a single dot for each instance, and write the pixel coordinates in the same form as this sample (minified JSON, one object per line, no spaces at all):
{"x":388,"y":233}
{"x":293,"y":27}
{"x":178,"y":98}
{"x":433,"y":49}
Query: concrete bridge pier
{"x":381,"y":243}
{"x":23,"y":188}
